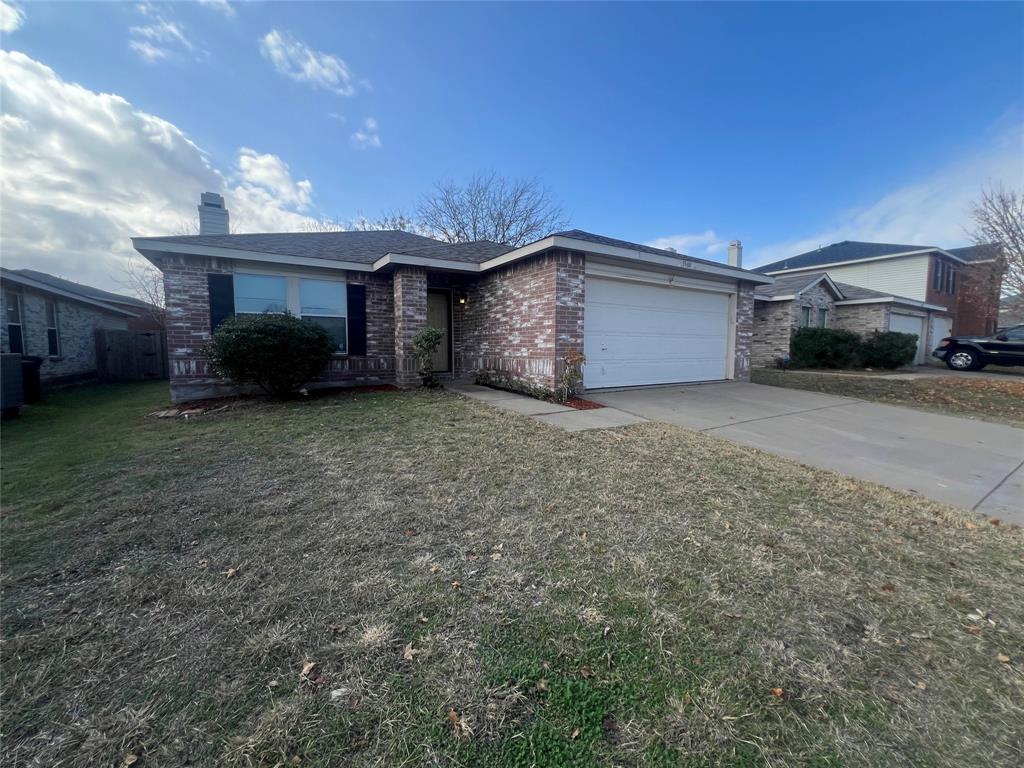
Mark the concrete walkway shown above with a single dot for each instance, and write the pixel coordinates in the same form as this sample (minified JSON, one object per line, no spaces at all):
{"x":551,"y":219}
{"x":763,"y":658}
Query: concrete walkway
{"x":971,"y":464}
{"x":556,"y":415}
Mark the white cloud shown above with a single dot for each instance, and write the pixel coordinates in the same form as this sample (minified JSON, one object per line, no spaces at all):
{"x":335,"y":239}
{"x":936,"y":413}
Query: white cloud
{"x":85,"y":171}
{"x":301,"y":63}
{"x":223,"y":6}
{"x":271,"y":173}
{"x":11,"y":17}
{"x":367,"y":137}
{"x":700,"y":244}
{"x":160,"y":39}
{"x":930,"y":211}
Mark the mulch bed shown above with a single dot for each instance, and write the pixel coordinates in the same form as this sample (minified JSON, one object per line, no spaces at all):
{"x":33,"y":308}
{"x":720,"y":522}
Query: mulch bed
{"x":582,"y":405}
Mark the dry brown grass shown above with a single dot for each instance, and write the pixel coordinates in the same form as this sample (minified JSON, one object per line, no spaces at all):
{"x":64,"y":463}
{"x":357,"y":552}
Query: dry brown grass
{"x":653,"y":586}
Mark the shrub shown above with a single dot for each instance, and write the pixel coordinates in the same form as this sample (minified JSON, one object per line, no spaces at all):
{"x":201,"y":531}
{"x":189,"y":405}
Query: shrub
{"x":425,"y":343}
{"x":889,"y":349}
{"x":572,"y":376}
{"x":824,"y":348}
{"x":277,"y":352}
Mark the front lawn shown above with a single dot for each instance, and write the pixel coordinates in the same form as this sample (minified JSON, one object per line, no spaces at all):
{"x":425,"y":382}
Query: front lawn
{"x":989,"y":398}
{"x":398,"y":579}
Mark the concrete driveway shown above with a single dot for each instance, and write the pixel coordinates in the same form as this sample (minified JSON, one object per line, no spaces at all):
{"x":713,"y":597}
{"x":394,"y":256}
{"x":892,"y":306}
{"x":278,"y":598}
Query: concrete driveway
{"x":971,"y":464}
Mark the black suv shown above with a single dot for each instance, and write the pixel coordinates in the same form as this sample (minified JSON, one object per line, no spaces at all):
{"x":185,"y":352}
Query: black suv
{"x":972,"y":353}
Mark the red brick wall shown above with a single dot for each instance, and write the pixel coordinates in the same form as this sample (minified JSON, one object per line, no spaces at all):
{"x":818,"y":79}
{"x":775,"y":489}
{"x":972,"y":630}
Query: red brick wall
{"x":520,"y":321}
{"x":186,"y":295}
{"x":410,"y":303}
{"x":975,"y":305}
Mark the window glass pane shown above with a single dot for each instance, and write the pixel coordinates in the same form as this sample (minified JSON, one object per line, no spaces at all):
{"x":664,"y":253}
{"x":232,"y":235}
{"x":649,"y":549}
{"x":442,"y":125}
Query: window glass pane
{"x":52,"y":342}
{"x":805,"y":317}
{"x":51,"y":314}
{"x":260,"y":293}
{"x":336,"y":326}
{"x":822,"y":317}
{"x":1016,"y":334}
{"x":322,"y":298}
{"x":14,"y":339}
{"x":11,"y":300}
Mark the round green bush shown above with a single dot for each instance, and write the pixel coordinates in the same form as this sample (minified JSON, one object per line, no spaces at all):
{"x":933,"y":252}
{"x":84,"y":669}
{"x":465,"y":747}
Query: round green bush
{"x":889,"y":349}
{"x":824,"y":348}
{"x":277,"y":352}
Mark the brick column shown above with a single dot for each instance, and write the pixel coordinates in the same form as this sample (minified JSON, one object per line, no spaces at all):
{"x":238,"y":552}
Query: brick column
{"x":744,"y":331}
{"x":410,"y":317}
{"x":570,"y":292}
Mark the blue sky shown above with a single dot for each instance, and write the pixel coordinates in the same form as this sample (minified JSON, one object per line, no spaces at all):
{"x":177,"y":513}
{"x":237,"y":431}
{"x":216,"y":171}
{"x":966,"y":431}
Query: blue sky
{"x":784,"y":125}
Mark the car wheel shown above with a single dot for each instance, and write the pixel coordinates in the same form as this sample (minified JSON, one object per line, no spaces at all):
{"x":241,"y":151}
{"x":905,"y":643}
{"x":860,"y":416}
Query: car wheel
{"x":962,"y":359}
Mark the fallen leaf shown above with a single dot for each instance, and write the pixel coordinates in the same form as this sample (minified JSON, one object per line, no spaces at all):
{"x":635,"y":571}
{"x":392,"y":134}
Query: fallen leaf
{"x":409,"y":532}
{"x":970,"y":526}
{"x":409,"y":652}
{"x":575,"y":734}
{"x":435,"y":568}
{"x":728,"y":525}
{"x":456,"y":584}
{"x":1002,"y":657}
{"x":777,"y":693}
{"x":204,"y":563}
{"x":972,"y":629}
{"x":231,"y":573}
{"x":132,"y":758}
{"x":310,"y":670}
{"x":922,"y":685}
{"x":888,"y":587}
{"x":336,"y":629}
{"x":542,"y":685}
{"x":461,"y":729}
{"x":423,"y":619}
{"x":586,"y":672}
{"x":496,"y":555}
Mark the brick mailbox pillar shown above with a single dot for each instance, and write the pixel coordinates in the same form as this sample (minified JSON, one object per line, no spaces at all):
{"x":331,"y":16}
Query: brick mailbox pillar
{"x":410,"y":317}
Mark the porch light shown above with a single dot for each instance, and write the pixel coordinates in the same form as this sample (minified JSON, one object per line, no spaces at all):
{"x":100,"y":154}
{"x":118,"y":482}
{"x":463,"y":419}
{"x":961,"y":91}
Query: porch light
{"x":462,"y":299}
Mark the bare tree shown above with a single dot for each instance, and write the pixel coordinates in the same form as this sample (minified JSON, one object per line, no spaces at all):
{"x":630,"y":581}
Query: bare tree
{"x":998,"y":217}
{"x":490,"y":207}
{"x":147,"y":283}
{"x":389,"y":220}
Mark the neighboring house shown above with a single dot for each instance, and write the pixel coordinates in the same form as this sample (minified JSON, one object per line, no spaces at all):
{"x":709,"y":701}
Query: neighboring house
{"x":813,"y":299}
{"x":963,"y":280}
{"x":641,"y":315}
{"x":56,"y":324}
{"x":146,"y":317}
{"x":1011,"y":310}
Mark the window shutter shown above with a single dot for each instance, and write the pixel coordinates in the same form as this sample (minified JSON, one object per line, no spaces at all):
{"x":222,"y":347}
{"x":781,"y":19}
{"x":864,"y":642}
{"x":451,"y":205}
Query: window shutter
{"x":356,"y":319}
{"x":222,"y":298}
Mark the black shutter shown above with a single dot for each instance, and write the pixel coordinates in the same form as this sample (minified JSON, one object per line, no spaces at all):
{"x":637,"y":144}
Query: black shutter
{"x":356,"y":319}
{"x":222,"y":298}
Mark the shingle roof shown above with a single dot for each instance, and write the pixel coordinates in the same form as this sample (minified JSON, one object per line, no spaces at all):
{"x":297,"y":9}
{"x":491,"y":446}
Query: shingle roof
{"x":357,"y":246}
{"x":579,"y":234}
{"x":787,"y":285}
{"x":856,"y":292}
{"x":982,"y":252}
{"x":82,"y":290}
{"x":848,"y":250}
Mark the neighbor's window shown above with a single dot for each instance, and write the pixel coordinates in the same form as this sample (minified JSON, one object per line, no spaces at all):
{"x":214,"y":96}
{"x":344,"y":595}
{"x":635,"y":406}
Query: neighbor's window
{"x":950,"y":280}
{"x":324,"y":303}
{"x":260,"y":293}
{"x":15,"y":339}
{"x":805,"y":317}
{"x":52,"y":330}
{"x":938,"y":277}
{"x":823,"y":318}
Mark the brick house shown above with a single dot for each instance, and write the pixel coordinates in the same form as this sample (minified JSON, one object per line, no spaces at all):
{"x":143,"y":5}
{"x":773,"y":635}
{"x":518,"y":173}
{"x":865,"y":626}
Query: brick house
{"x":641,"y":315}
{"x":56,"y":320}
{"x":813,"y":299}
{"x":964,"y":281}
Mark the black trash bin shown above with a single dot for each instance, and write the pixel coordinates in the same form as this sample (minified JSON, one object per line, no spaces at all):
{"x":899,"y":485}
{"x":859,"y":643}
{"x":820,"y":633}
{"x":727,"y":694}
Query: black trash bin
{"x":31,"y":386}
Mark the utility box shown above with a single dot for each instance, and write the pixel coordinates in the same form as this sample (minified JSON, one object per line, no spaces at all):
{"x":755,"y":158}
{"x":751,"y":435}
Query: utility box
{"x":12,"y":394}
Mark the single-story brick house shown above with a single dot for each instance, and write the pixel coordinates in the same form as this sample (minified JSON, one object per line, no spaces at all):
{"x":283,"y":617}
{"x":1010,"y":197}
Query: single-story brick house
{"x":641,"y":315}
{"x":56,"y":320}
{"x":815,"y":300}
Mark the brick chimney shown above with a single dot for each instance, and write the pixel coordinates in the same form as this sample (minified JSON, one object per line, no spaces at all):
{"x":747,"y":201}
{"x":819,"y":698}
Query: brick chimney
{"x":735,"y":254}
{"x":213,"y":216}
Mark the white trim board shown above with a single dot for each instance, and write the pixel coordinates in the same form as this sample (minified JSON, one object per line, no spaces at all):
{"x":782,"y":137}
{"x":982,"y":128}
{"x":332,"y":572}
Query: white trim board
{"x":893,"y":300}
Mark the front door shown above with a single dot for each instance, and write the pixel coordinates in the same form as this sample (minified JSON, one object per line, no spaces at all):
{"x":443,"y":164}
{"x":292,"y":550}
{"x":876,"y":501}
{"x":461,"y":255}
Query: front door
{"x":439,"y":315}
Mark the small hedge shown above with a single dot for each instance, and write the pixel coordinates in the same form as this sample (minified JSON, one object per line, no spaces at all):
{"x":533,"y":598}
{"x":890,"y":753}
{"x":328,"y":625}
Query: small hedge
{"x":277,"y":352}
{"x":835,"y":348}
{"x":888,"y":349}
{"x":824,"y":348}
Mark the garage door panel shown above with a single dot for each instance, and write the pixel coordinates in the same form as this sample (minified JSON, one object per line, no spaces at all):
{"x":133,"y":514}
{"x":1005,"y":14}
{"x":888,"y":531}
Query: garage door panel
{"x":910,"y":324}
{"x":637,"y":334}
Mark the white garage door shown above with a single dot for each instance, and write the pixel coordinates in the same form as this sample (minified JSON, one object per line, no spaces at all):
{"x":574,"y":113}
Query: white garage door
{"x":910,"y":324}
{"x":941,"y":328}
{"x":636,"y":333}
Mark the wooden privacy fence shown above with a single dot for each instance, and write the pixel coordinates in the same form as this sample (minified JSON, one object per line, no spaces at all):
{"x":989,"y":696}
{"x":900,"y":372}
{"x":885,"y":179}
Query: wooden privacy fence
{"x":131,"y":355}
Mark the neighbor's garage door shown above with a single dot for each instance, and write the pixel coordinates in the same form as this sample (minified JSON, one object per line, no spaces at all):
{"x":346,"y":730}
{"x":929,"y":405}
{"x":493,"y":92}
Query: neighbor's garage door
{"x":910,"y":324}
{"x":637,"y":333}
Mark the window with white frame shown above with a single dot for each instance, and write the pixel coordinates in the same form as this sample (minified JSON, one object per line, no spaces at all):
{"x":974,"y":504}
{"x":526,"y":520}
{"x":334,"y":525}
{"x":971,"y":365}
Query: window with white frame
{"x":319,"y":301}
{"x":15,"y":337}
{"x":52,"y":329}
{"x":805,"y":317}
{"x":822,"y":317}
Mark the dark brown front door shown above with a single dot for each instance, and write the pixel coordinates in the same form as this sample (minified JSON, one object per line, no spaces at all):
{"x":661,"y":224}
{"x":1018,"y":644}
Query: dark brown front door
{"x":439,"y":315}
